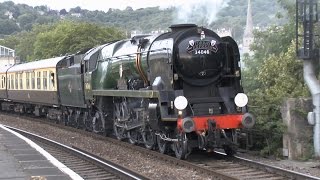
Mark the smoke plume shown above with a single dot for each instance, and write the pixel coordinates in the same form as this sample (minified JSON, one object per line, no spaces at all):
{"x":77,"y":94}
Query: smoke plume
{"x":201,"y":12}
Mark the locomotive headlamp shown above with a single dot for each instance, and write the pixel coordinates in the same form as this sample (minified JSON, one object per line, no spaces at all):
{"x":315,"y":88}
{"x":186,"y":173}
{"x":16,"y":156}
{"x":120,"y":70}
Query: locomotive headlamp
{"x":241,"y":100}
{"x":180,"y":103}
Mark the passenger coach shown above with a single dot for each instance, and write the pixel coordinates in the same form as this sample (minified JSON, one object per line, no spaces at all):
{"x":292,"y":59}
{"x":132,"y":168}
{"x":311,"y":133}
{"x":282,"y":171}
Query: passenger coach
{"x":34,"y":83}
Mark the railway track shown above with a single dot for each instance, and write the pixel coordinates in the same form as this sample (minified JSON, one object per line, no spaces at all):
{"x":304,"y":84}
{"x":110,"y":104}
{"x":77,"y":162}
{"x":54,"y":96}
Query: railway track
{"x":241,"y":168}
{"x":216,"y":165}
{"x":86,"y":165}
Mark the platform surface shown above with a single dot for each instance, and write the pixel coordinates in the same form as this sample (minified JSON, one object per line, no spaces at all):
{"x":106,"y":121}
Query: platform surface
{"x":19,"y":160}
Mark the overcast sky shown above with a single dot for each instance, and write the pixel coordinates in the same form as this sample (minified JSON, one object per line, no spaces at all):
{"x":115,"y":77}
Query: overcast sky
{"x":100,"y":4}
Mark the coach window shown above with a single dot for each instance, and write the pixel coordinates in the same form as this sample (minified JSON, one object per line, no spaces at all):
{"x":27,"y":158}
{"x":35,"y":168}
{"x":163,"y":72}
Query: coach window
{"x":33,"y":84}
{"x":52,"y":80}
{"x":20,"y":81}
{"x":9,"y":79}
{"x":16,"y":81}
{"x":28,"y":80}
{"x":3,"y":81}
{"x":38,"y":80}
{"x":1,"y":86}
{"x":45,"y":78}
{"x":12,"y":81}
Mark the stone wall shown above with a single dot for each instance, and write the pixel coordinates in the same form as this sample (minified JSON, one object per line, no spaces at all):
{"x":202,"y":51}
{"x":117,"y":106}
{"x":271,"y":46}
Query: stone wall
{"x":297,"y":138}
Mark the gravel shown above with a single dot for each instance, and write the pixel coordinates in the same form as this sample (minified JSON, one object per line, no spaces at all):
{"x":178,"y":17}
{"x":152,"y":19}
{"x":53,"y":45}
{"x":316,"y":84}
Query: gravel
{"x":141,"y":163}
{"x":136,"y":161}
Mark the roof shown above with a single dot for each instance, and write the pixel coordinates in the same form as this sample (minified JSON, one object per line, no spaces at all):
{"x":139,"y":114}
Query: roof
{"x":6,"y":48}
{"x":6,"y":52}
{"x":4,"y":69}
{"x":41,"y":64}
{"x":93,"y":51}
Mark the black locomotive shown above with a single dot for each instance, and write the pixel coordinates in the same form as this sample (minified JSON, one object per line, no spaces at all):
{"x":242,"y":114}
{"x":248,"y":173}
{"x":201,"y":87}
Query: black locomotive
{"x":174,"y":91}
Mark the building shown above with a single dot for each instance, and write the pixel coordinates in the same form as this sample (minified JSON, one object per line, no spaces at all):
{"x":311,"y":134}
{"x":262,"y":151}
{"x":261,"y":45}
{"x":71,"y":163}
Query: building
{"x":76,"y":14}
{"x":9,"y":14}
{"x":224,"y":32}
{"x":248,"y":37}
{"x":7,"y":56}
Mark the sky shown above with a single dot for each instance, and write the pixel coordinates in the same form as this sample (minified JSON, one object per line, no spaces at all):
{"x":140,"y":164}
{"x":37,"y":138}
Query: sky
{"x":103,"y":5}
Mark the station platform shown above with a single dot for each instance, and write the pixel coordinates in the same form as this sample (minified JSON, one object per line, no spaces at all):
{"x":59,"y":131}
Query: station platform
{"x":20,"y":158}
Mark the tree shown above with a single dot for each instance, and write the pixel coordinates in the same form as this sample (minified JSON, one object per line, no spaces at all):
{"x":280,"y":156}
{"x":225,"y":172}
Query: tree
{"x":8,"y":27}
{"x":129,"y":8}
{"x":46,"y":19}
{"x":76,"y":10}
{"x":42,"y":8}
{"x":271,"y":75}
{"x":70,"y":37}
{"x":26,"y":19}
{"x":63,"y":12}
{"x":23,"y":42}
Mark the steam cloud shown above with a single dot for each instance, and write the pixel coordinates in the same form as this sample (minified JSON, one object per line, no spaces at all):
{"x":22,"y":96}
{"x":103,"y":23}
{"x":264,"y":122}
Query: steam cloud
{"x":201,"y":12}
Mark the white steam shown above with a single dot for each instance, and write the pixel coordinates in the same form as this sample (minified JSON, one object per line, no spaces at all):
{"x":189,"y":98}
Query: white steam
{"x":201,"y":12}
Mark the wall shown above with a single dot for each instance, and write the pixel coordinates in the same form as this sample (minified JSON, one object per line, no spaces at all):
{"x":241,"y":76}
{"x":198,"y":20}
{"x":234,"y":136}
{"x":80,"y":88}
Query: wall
{"x":298,"y":136}
{"x":7,"y":60}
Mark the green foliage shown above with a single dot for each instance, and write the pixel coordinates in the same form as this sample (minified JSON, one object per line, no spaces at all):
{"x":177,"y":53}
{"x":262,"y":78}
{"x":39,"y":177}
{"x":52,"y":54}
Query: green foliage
{"x":70,"y":37}
{"x":144,"y":19}
{"x":23,"y":42}
{"x":45,"y":41}
{"x":279,"y":77}
{"x":20,"y":17}
{"x":272,"y":74}
{"x":282,"y":75}
{"x":25,"y":20}
{"x":7,"y":27}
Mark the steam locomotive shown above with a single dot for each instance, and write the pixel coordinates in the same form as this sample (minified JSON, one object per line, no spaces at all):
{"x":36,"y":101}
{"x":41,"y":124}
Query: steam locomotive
{"x":177,"y":91}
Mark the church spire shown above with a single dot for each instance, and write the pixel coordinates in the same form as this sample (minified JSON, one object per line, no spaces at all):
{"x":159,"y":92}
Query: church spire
{"x":249,"y":25}
{"x":248,"y":37}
